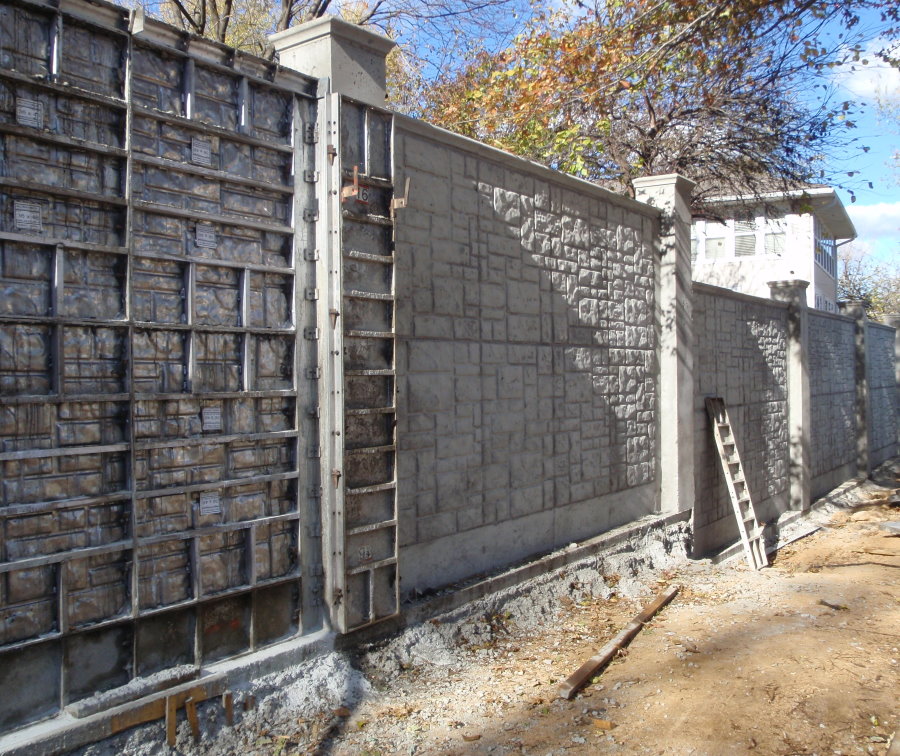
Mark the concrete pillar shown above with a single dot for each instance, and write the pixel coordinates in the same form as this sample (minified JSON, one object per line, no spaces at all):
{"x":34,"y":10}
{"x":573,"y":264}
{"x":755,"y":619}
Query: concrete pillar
{"x":894,"y":322}
{"x":856,"y":310}
{"x":672,"y":194}
{"x":350,"y":56}
{"x":793,"y":293}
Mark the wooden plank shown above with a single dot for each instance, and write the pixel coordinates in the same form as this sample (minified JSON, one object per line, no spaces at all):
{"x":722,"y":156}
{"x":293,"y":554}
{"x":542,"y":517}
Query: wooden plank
{"x":190,"y":708}
{"x":171,"y":721}
{"x":228,"y":705}
{"x":578,"y":679}
{"x":157,"y":706}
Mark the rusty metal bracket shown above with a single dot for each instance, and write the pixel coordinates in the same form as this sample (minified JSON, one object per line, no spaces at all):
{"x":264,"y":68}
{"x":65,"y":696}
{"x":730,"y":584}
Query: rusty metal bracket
{"x":353,"y":190}
{"x":399,"y":203}
{"x":357,"y":191}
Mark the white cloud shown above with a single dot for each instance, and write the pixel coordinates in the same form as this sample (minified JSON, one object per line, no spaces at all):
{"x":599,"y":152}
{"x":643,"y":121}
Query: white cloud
{"x":873,"y":79}
{"x":876,"y":222}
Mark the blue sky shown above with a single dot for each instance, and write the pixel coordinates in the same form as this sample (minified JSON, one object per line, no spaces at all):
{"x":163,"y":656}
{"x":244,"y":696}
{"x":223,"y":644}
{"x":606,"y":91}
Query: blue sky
{"x":876,"y":212}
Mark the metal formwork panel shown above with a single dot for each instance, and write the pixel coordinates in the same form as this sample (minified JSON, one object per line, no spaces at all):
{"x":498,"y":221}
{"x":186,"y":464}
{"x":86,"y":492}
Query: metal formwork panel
{"x":362,"y":502}
{"x":159,"y":495}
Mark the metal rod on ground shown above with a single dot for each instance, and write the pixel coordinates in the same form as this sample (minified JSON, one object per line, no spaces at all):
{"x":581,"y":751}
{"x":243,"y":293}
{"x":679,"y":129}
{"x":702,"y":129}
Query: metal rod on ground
{"x":578,"y":679}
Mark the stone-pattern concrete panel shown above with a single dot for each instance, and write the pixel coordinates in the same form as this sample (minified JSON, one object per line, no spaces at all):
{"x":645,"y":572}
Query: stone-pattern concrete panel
{"x":832,"y":381}
{"x":528,"y":375}
{"x":740,"y":355}
{"x":880,"y":376}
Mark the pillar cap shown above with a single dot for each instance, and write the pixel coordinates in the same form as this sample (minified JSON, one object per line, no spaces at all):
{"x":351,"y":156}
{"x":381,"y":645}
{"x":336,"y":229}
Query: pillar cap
{"x":681,"y":183}
{"x":352,"y":57}
{"x":791,"y":283}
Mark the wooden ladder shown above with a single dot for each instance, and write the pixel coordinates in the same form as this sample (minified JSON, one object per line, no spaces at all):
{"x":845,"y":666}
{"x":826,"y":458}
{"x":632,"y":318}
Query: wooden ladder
{"x":749,"y":527}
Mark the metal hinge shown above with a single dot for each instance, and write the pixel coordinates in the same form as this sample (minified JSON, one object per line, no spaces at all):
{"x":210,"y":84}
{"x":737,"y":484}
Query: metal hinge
{"x":313,"y":452}
{"x":311,"y":333}
{"x":311,"y":134}
{"x":314,"y":492}
{"x":310,"y":255}
{"x":311,"y":294}
{"x":310,"y":177}
{"x":310,"y":214}
{"x":313,"y":374}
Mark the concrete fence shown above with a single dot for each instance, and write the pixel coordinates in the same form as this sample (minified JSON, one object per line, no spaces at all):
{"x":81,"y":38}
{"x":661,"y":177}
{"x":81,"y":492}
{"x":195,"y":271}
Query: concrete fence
{"x":274,"y":359}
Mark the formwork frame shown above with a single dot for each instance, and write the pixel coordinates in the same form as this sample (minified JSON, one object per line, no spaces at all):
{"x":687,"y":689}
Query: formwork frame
{"x":280,"y":457}
{"x":362,"y":536}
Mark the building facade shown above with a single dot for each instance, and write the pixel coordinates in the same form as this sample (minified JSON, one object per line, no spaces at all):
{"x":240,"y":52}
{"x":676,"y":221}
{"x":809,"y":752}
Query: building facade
{"x":785,"y":235}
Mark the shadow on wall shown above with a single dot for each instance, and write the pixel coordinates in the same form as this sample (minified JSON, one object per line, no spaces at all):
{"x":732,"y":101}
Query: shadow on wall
{"x":527,"y":368}
{"x":740,"y":348}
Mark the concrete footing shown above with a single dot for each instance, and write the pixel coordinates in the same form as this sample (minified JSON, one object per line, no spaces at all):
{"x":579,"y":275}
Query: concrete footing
{"x":65,"y":732}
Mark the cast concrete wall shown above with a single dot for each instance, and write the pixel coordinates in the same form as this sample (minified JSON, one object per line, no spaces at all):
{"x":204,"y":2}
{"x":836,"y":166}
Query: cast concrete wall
{"x":527,"y":373}
{"x":832,"y":381}
{"x":740,"y":355}
{"x":882,"y":415}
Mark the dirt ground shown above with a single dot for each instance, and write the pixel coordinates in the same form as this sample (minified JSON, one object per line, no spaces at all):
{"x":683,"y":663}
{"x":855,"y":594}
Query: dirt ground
{"x":800,"y":658}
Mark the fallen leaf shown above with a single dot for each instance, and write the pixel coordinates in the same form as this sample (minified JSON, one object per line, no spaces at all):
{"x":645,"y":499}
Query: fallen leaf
{"x":341,"y":711}
{"x":603,"y":724}
{"x":472,"y":738}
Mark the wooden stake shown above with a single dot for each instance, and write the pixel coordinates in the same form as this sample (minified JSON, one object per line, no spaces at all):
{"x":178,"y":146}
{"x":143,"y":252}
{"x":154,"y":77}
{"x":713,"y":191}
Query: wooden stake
{"x":577,"y":680}
{"x":228,"y":704}
{"x":171,"y":720}
{"x":190,"y":708}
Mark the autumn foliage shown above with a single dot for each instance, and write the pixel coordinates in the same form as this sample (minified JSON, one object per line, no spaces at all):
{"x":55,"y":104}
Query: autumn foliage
{"x":732,"y":94}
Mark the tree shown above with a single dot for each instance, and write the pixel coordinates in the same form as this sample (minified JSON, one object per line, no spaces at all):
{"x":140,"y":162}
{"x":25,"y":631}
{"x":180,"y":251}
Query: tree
{"x":864,"y":279}
{"x":435,"y":26}
{"x":719,"y":91}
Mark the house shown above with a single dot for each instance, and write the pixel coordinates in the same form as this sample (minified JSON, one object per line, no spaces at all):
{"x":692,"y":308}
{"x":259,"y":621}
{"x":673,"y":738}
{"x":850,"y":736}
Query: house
{"x":747,"y":241}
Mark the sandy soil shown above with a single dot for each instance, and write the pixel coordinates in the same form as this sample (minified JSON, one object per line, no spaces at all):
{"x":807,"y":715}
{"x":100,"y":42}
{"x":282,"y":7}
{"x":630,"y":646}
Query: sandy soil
{"x":799,"y":658}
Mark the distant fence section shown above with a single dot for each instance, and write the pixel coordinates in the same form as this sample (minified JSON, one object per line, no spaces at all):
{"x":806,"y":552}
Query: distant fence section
{"x":741,"y":356}
{"x":832,"y":370}
{"x":882,"y":385}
